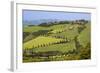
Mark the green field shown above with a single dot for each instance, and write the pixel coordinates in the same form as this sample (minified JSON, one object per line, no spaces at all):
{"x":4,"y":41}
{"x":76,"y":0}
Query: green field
{"x":56,"y":42}
{"x":58,"y":47}
{"x":41,"y":40}
{"x":85,"y":35}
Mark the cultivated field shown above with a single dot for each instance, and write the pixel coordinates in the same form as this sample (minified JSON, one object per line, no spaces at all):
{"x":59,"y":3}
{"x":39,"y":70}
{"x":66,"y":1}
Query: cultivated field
{"x":57,"y":42}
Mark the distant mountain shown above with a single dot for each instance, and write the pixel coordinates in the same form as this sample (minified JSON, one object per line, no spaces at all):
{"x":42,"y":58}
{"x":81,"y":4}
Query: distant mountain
{"x":37,"y":22}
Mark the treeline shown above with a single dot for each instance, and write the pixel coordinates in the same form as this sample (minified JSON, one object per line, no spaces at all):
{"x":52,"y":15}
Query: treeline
{"x":46,"y":24}
{"x":48,"y":44}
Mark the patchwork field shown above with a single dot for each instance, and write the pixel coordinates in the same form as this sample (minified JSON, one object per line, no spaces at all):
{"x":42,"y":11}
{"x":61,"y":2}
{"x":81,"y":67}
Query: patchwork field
{"x":56,"y":42}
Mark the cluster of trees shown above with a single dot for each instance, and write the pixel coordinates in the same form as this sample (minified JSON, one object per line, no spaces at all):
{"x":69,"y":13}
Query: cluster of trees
{"x":81,"y":28}
{"x":31,"y":53}
{"x":25,"y":34}
{"x":50,"y":55}
{"x":40,"y":32}
{"x":80,"y":22}
{"x":82,"y":52}
{"x":46,"y":24}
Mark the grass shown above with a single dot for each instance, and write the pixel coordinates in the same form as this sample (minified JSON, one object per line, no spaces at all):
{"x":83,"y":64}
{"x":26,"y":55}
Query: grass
{"x":41,"y":40}
{"x":52,"y":38}
{"x":65,"y":47}
{"x":85,"y":36}
{"x":68,"y":33}
{"x":37,"y":28}
{"x":33,"y":28}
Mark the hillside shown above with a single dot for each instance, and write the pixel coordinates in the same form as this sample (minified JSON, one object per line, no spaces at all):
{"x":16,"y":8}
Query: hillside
{"x":65,"y":40}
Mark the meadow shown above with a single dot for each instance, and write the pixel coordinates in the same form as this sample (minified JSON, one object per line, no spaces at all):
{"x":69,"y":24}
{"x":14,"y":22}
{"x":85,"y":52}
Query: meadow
{"x":57,"y":41}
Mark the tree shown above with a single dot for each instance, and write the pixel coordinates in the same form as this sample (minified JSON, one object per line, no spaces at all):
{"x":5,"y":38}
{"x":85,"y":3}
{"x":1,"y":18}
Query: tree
{"x":86,"y":52}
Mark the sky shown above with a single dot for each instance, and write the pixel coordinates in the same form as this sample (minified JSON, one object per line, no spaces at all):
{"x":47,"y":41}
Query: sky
{"x":29,"y":15}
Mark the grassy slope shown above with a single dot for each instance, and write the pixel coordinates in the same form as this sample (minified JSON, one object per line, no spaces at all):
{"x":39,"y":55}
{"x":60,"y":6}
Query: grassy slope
{"x":69,"y":33}
{"x":85,"y":36}
{"x":41,"y":41}
{"x":65,"y":47}
{"x":36,"y":28}
{"x":33,"y":28}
